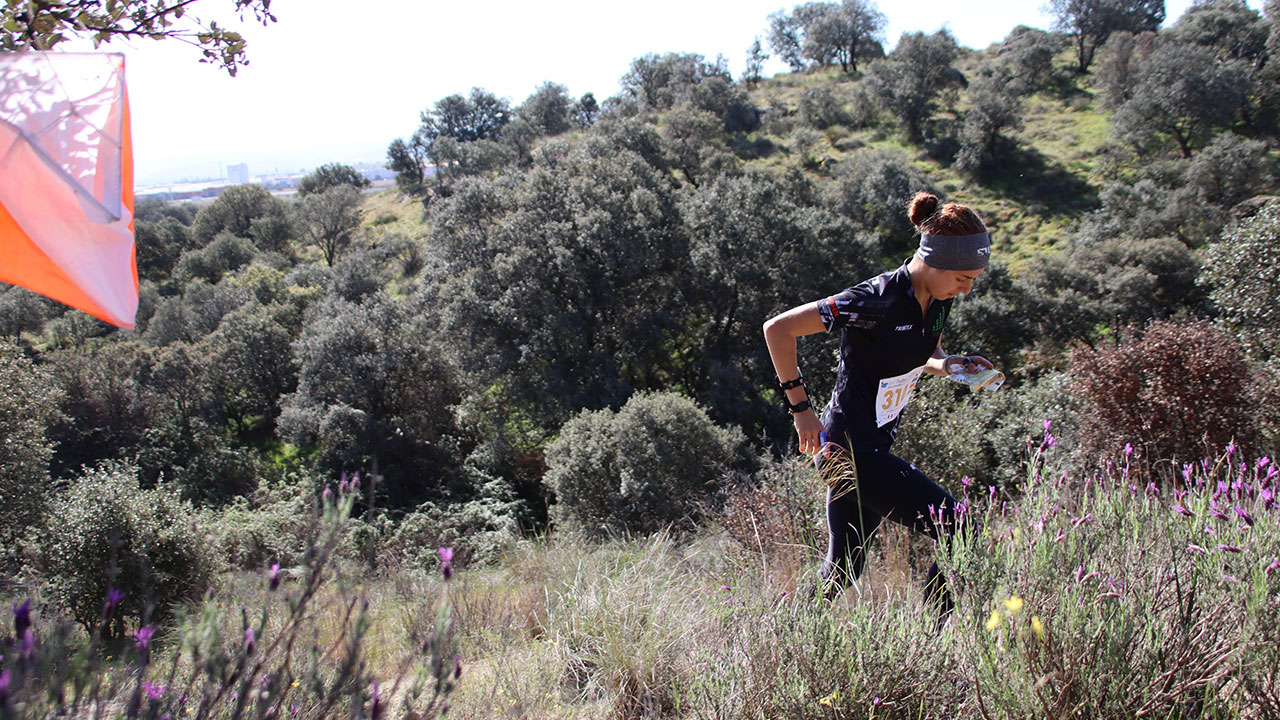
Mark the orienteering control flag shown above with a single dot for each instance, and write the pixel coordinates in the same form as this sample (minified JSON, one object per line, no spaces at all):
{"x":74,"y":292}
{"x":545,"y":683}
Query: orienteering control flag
{"x":66,"y":181}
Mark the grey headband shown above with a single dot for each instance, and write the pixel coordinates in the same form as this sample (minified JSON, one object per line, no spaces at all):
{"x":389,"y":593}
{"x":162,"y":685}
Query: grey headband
{"x":955,"y":252}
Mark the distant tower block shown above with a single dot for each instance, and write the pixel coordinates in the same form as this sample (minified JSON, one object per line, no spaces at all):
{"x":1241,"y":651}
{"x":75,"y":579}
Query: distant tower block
{"x":238,"y":174}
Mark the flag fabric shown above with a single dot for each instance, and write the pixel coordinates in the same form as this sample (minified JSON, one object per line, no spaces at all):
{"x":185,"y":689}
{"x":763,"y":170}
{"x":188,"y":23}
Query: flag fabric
{"x":66,"y":181}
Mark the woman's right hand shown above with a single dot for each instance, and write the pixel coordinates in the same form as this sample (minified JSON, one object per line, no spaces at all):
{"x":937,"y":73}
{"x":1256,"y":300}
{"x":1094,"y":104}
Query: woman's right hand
{"x":809,"y":429}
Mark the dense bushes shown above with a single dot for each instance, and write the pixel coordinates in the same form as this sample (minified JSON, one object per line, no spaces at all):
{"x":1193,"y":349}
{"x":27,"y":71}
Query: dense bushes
{"x":28,"y":407}
{"x":1172,"y":392}
{"x":111,"y":534}
{"x":653,"y":463}
{"x":1240,"y":272}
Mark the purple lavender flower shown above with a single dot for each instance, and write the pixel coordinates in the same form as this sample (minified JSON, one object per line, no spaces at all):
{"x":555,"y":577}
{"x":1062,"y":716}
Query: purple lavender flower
{"x":154,"y":692}
{"x":1231,"y":448}
{"x":142,"y":637}
{"x":375,"y":710}
{"x":1047,"y":423}
{"x":1216,"y":511}
{"x":1274,"y":566}
{"x":446,"y":562}
{"x":1230,"y":548}
{"x":966,"y":481}
{"x":1268,"y":498}
{"x":1183,"y":511}
{"x":21,"y":617}
{"x":1077,"y":522}
{"x":275,"y":576}
{"x":250,"y":637}
{"x":1263,"y":462}
{"x":1244,"y":515}
{"x":1128,"y":450}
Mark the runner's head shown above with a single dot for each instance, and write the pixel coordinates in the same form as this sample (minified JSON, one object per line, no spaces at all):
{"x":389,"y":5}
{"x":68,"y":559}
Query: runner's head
{"x":954,"y":244}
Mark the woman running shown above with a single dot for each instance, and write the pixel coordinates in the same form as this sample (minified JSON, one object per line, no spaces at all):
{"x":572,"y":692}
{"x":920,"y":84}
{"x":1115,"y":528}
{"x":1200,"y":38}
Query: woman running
{"x":890,"y":331}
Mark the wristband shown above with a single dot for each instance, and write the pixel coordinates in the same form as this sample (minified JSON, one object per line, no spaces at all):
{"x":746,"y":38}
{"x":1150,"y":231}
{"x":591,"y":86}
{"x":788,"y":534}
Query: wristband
{"x":798,"y":382}
{"x":798,"y":407}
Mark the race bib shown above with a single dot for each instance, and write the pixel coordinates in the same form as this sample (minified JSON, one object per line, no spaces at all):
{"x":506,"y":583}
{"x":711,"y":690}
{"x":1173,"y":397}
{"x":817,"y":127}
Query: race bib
{"x":893,"y":395}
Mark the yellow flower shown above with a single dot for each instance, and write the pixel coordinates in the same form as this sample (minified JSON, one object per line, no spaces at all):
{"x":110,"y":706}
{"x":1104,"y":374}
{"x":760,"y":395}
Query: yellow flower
{"x":831,"y":699}
{"x":1014,"y":604}
{"x":1037,"y":627}
{"x":994,"y":622}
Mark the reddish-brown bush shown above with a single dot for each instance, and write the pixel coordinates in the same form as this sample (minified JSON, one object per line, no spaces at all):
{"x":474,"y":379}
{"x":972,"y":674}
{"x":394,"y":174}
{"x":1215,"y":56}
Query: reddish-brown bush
{"x":1174,"y":391}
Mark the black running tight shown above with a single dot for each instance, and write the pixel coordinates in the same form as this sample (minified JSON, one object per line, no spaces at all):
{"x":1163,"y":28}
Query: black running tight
{"x":886,"y":486}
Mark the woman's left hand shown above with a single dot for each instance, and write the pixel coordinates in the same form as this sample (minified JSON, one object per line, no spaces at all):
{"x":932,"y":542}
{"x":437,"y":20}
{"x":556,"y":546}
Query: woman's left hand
{"x":970,"y":363}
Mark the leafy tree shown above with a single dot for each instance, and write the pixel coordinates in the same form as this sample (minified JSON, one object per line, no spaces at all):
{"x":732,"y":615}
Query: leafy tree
{"x":1030,"y":53}
{"x":585,"y":111}
{"x":549,"y":109}
{"x":1111,"y":283}
{"x":1229,"y":170}
{"x":331,"y":175}
{"x":909,"y":82}
{"x":1237,"y":34}
{"x":21,"y":311}
{"x":409,"y":161}
{"x":227,"y":252}
{"x":1181,"y":91}
{"x":1235,"y":30}
{"x":1239,"y":274}
{"x":653,"y":463}
{"x":195,"y":313}
{"x":373,"y":387}
{"x":995,"y":109}
{"x":759,"y":244}
{"x":828,"y":33}
{"x":28,"y":408}
{"x":41,"y":25}
{"x":103,"y":404}
{"x":234,"y":211}
{"x":249,"y":366}
{"x":786,"y":35}
{"x":329,"y":217}
{"x":1093,"y":21}
{"x":562,"y":278}
{"x":755,"y":63}
{"x":1118,"y":66}
{"x":871,"y":191}
{"x":479,"y":116}
{"x":691,"y":136}
{"x":820,"y":108}
{"x":660,"y":82}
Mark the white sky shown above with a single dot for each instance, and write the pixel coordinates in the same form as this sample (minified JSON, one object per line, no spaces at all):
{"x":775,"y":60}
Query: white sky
{"x":337,"y":81}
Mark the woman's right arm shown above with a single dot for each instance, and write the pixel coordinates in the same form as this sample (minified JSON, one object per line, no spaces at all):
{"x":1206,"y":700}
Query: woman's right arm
{"x":780,"y":333}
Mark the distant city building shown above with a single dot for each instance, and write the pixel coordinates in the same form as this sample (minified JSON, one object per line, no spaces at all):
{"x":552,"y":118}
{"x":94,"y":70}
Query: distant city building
{"x":238,"y":174}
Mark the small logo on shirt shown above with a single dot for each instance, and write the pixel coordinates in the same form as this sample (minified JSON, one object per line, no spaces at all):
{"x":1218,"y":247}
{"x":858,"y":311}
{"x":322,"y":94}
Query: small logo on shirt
{"x":902,"y":328}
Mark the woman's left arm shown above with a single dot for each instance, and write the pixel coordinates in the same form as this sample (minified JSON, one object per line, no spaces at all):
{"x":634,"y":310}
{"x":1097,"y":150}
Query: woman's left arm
{"x":940,"y":362}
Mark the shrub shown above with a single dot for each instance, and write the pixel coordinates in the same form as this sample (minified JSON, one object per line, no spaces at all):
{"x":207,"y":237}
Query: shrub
{"x":1240,"y":272}
{"x":29,"y":406}
{"x":652,"y":463}
{"x":301,"y":644}
{"x":107,"y":533}
{"x":274,"y":525}
{"x":1174,"y":391}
